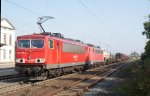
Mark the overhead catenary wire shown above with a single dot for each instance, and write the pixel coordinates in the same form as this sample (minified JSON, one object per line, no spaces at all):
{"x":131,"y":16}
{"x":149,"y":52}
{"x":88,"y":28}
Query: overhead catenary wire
{"x":92,"y":14}
{"x":68,"y":15}
{"x":99,"y":9}
{"x":105,"y":17}
{"x":24,"y":25}
{"x":64,"y":12}
{"x":27,"y":9}
{"x":34,"y":12}
{"x":39,"y":14}
{"x":98,"y":20}
{"x":23,"y":7}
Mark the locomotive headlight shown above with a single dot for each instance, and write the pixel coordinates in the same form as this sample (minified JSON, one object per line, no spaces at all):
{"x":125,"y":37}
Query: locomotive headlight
{"x":39,"y":60}
{"x":20,"y":60}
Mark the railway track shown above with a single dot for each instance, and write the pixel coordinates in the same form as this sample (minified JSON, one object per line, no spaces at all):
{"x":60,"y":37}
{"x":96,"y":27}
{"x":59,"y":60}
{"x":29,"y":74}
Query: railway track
{"x":63,"y":84}
{"x":9,"y":76}
{"x":79,"y":89}
{"x":10,"y":83}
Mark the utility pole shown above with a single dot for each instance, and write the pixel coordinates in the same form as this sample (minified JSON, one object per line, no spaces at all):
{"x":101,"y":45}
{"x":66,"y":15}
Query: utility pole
{"x":100,"y":44}
{"x":107,"y":47}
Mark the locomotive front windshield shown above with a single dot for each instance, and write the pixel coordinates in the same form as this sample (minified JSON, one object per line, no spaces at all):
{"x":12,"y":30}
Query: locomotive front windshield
{"x":37,"y":43}
{"x":24,"y":43}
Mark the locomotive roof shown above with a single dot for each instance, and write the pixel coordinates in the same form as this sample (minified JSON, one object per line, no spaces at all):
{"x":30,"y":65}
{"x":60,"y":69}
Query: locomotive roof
{"x":30,"y":35}
{"x":69,"y":40}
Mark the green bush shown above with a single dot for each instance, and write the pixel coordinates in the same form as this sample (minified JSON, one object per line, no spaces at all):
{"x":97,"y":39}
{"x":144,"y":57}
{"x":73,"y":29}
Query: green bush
{"x":136,"y":80}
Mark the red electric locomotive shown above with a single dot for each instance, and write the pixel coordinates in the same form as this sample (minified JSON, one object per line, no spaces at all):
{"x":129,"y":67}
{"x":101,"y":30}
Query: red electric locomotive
{"x":48,"y":54}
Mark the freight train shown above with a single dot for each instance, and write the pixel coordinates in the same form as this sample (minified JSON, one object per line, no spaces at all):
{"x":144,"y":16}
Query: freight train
{"x":49,"y":54}
{"x":46,"y":54}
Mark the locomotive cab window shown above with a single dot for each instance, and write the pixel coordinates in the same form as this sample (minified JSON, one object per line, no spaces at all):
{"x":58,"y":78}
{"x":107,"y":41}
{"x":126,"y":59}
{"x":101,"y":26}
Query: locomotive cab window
{"x":37,"y":43}
{"x":31,"y":43}
{"x":51,"y":44}
{"x":24,"y":43}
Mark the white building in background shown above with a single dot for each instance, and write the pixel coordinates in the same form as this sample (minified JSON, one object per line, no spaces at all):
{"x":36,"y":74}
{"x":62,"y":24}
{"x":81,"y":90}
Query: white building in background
{"x":7,"y":42}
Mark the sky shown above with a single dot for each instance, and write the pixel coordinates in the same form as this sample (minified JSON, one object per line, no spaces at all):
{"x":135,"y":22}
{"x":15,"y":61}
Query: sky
{"x":115,"y":25}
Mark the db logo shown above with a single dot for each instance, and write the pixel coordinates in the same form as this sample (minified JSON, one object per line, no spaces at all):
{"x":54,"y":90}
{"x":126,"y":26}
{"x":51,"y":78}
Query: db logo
{"x":75,"y":56}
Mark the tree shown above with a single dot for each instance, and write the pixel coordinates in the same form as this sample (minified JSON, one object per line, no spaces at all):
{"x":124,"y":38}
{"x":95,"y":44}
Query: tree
{"x":147,"y":33}
{"x":147,"y":28}
{"x":147,"y":48}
